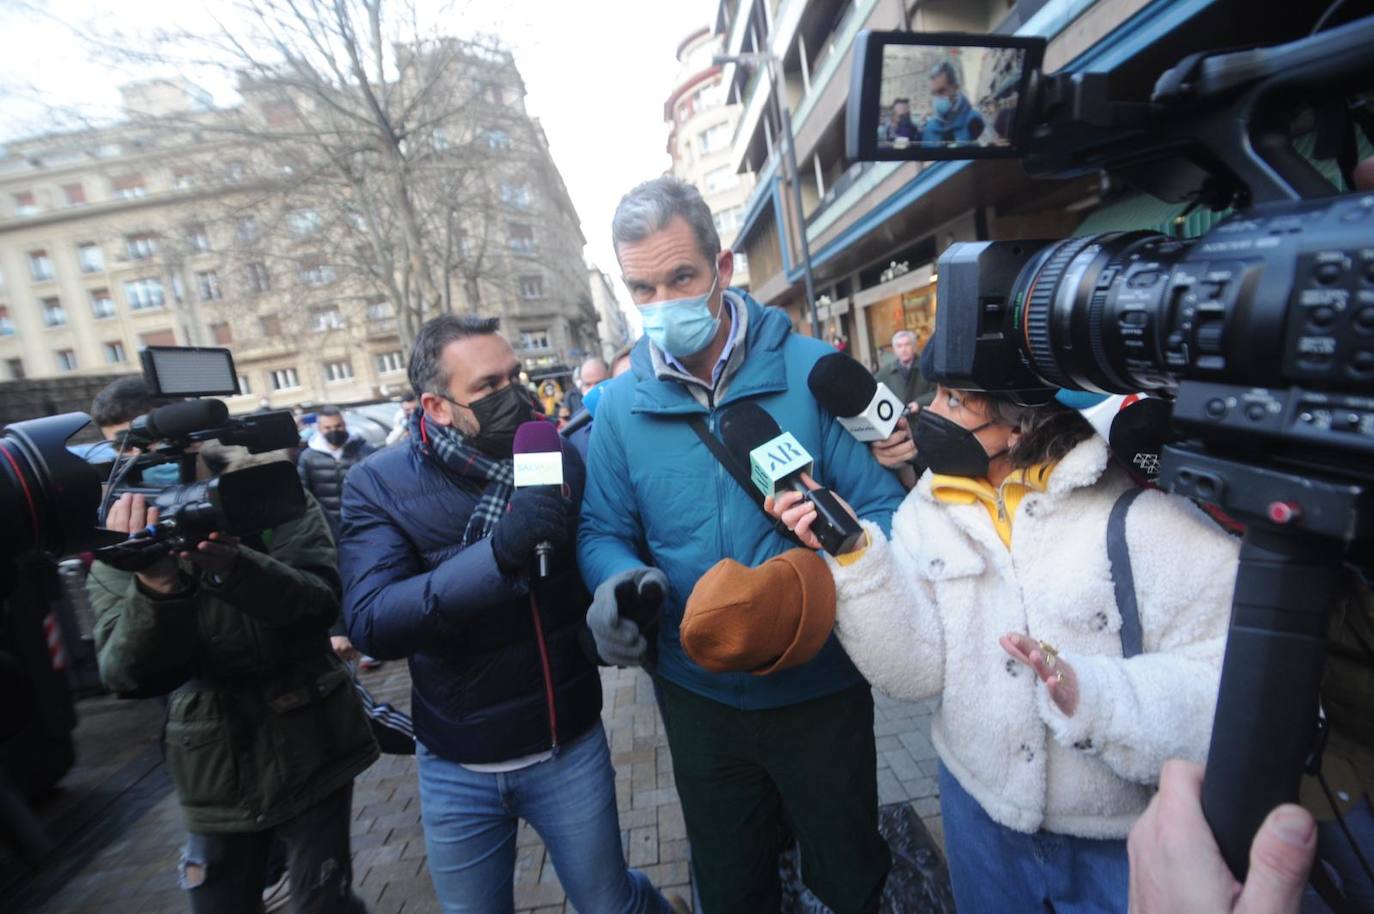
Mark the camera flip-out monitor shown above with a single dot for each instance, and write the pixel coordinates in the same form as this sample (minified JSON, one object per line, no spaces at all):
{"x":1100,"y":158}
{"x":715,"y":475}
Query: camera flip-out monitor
{"x":940,"y":95}
{"x":189,"y":371}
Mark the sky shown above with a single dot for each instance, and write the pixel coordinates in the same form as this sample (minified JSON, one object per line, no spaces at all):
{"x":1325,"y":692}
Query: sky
{"x":597,"y":73}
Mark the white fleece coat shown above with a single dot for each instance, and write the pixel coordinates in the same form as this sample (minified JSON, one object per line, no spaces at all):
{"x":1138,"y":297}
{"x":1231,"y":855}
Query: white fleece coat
{"x":921,"y":616}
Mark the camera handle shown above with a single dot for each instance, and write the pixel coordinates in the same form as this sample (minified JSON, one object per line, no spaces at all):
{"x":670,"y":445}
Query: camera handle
{"x":1266,"y":717}
{"x":1299,"y":524}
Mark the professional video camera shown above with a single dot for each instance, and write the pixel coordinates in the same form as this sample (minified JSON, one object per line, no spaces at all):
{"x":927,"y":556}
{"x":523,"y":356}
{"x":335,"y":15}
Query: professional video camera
{"x":1261,"y":332}
{"x":53,"y":499}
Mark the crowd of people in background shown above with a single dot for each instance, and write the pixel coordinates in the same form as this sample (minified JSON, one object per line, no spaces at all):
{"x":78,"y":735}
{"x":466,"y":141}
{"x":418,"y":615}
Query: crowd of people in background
{"x":987,"y":576}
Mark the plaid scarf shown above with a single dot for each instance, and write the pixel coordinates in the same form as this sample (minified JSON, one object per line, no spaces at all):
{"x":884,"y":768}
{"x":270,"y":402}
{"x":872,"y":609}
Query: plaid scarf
{"x":462,"y":459}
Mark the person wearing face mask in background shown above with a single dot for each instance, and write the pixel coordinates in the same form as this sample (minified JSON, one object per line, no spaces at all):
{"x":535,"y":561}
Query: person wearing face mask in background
{"x":438,"y":559}
{"x":1063,"y":688}
{"x":329,"y":455}
{"x":952,"y":119}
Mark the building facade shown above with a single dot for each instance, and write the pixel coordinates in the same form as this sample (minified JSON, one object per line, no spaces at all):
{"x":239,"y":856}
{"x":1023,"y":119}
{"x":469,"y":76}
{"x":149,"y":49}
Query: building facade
{"x":157,"y":232}
{"x":876,"y":229}
{"x":613,"y":327}
{"x":701,"y":129}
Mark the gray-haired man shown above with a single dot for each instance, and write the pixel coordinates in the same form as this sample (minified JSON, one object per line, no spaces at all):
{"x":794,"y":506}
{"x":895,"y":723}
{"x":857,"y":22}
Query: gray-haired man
{"x":903,"y":373}
{"x":660,"y":510}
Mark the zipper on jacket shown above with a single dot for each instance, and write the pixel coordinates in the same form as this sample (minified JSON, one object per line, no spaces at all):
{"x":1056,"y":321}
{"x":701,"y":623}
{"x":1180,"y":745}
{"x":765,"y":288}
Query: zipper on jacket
{"x":548,"y":675}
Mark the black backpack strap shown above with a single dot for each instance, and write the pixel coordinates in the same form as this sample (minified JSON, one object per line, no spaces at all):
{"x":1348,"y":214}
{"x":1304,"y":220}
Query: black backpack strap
{"x":1122,"y":577}
{"x":741,"y":475}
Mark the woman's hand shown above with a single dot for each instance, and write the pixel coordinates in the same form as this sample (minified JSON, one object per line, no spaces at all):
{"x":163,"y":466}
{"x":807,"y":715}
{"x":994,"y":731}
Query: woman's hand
{"x":1053,"y":671}
{"x":798,"y":515}
{"x":897,"y":450}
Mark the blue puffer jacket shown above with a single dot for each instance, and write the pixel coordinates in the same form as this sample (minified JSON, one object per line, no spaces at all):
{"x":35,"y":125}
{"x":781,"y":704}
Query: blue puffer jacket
{"x":653,"y":488}
{"x":483,"y":667}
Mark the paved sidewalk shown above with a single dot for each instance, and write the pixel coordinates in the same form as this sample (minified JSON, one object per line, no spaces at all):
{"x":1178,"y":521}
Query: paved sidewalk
{"x":134,"y":870}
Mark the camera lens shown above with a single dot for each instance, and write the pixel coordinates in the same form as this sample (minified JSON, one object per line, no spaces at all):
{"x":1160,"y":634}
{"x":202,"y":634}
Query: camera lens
{"x":48,"y":495}
{"x":1088,"y":311}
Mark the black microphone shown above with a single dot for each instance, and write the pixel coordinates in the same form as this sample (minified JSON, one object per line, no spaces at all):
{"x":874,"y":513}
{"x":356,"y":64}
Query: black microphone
{"x":177,"y":420}
{"x":538,"y":459}
{"x":776,"y":461}
{"x":868,"y":410}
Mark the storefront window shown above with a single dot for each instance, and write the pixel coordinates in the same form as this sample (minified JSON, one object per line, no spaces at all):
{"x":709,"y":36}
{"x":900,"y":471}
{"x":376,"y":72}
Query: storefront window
{"x":912,"y":310}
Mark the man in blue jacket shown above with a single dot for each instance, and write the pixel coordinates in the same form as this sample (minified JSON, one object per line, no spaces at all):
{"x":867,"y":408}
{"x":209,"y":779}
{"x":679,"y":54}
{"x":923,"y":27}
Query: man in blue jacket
{"x":749,"y":752}
{"x":436,"y":553}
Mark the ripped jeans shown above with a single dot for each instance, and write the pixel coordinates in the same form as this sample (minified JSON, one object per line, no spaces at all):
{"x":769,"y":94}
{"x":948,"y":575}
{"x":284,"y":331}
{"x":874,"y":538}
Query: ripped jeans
{"x":224,"y":873}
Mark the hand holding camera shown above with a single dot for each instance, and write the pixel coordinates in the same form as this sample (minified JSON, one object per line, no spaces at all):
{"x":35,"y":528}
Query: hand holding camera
{"x":131,"y":514}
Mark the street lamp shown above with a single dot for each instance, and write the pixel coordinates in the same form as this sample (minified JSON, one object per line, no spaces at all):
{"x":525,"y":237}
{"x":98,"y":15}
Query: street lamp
{"x":790,"y":153}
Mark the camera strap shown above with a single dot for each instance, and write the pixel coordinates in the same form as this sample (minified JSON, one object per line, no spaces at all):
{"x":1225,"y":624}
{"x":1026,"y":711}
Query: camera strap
{"x":1123,"y":579}
{"x":741,"y":475}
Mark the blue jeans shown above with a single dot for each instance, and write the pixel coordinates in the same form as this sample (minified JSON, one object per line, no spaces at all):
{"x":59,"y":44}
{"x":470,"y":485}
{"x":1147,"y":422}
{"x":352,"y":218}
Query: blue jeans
{"x":470,"y":821}
{"x":997,"y":870}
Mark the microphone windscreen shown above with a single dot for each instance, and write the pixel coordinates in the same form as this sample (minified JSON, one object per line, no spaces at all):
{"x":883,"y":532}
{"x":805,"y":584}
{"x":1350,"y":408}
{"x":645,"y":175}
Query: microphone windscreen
{"x":176,"y":420}
{"x":538,"y":436}
{"x":1138,"y":433}
{"x":746,"y":426}
{"x":842,"y":385}
{"x":591,"y":398}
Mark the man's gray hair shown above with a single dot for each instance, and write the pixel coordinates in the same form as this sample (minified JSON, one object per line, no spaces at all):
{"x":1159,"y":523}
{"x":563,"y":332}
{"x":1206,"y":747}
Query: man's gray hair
{"x":426,"y":369}
{"x":653,"y":204}
{"x":950,"y":71}
{"x":904,"y":333}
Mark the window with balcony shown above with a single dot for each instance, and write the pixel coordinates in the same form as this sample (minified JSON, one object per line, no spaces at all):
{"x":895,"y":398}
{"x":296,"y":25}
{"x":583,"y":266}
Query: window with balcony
{"x":6,"y":322}
{"x":313,"y":271}
{"x":102,"y":304}
{"x":40,"y":266}
{"x":285,"y":379}
{"x":327,"y":318}
{"x":521,"y":239}
{"x":15,"y":369}
{"x":197,"y":239}
{"x":141,"y":246}
{"x":54,"y":315}
{"x":74,"y":194}
{"x":90,"y":256}
{"x":718,"y":179}
{"x":66,"y":360}
{"x":207,"y":283}
{"x":389,"y":362}
{"x":257,"y":278}
{"x":270,"y":325}
{"x":379,"y":311}
{"x":114,"y":353}
{"x":221,"y":333}
{"x":25,"y":204}
{"x":144,"y":293}
{"x":531,"y":287}
{"x":716,"y":138}
{"x":129,"y":187}
{"x":534,"y":339}
{"x":338,"y":371}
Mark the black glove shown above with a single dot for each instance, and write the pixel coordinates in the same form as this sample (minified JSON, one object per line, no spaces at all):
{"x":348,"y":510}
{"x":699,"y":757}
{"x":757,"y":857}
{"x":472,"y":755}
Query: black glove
{"x":532,"y":517}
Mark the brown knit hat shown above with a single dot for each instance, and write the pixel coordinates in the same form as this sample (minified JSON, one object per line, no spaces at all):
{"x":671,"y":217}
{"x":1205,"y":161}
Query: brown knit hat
{"x":759,"y":620}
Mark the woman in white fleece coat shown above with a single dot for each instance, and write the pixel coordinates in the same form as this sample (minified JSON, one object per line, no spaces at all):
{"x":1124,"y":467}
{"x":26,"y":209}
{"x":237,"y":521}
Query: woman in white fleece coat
{"x":1048,"y":738}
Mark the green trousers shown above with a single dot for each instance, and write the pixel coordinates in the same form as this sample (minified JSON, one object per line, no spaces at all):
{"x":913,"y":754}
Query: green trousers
{"x":746,"y":777}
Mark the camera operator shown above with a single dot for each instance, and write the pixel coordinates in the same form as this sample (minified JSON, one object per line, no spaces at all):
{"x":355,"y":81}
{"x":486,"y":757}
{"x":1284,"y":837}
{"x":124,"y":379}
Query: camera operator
{"x":264,"y":733}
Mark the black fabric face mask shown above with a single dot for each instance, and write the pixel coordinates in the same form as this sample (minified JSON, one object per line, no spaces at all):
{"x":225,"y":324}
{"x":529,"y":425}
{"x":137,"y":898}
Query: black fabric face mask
{"x":338,"y":437}
{"x":498,"y":416}
{"x":948,"y":448}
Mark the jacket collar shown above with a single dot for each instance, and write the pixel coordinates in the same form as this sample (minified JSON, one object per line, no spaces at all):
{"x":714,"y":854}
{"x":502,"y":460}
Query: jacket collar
{"x":754,"y":368}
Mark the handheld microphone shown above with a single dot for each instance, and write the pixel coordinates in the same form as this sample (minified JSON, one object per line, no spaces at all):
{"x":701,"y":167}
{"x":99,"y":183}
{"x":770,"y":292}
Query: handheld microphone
{"x":1135,"y":427}
{"x":868,"y":410}
{"x":586,"y":414}
{"x":538,"y":459}
{"x":776,"y":461}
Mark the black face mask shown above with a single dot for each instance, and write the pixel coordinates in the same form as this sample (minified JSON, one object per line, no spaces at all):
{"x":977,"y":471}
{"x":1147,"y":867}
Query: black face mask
{"x":338,"y":437}
{"x":948,"y":448}
{"x":498,"y":416}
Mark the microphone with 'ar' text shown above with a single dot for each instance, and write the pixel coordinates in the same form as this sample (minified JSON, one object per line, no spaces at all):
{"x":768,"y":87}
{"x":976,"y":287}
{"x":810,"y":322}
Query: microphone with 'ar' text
{"x":776,"y":463}
{"x":538,"y":460}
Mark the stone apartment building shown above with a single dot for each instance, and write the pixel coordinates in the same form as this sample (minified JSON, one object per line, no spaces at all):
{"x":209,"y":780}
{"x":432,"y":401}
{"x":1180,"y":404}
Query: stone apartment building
{"x":171,"y":228}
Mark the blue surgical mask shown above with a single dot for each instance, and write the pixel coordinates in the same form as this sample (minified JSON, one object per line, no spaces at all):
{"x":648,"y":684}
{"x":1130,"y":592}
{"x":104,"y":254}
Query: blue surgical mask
{"x":942,"y":105}
{"x":682,"y":326}
{"x":164,"y":474}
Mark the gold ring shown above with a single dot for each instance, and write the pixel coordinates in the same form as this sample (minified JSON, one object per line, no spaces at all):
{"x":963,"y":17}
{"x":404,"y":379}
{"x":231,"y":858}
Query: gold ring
{"x":1050,"y":654}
